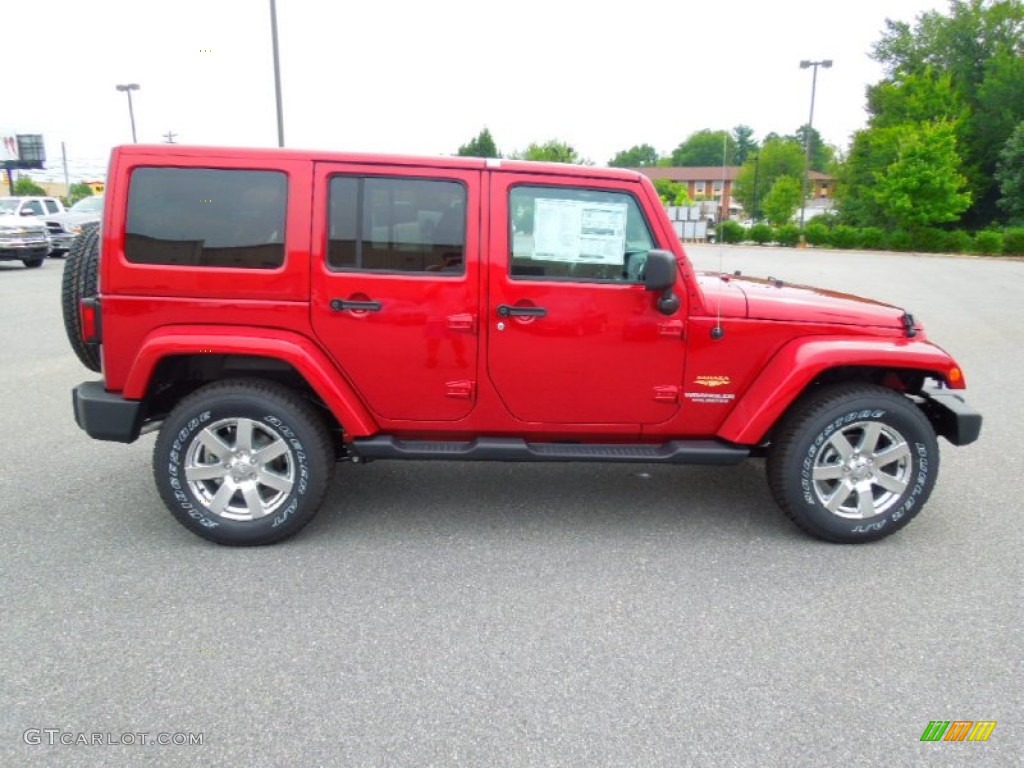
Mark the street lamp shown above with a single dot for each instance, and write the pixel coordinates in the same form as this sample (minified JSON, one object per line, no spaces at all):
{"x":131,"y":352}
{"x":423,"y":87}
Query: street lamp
{"x":128,"y":88}
{"x":825,"y":64}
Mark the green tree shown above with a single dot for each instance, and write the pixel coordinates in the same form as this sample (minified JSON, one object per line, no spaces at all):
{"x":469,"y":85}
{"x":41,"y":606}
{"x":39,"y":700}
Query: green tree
{"x":553,"y":151}
{"x":77,"y":192}
{"x":25,"y":187}
{"x":872,"y":152}
{"x":743,"y":135}
{"x":821,"y":153}
{"x":639,"y":156}
{"x":924,"y":185}
{"x":782,"y":200}
{"x":978,"y":47}
{"x":777,"y":157}
{"x":481,"y":146}
{"x":672,"y":192}
{"x":1010,"y":175}
{"x":705,"y":148}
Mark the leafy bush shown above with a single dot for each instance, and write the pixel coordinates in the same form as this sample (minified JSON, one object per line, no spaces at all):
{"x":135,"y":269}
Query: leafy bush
{"x":873,"y":238}
{"x":897,"y":240}
{"x":760,"y":234}
{"x":731,"y":232}
{"x":843,"y":236}
{"x":958,"y":241}
{"x":928,"y":240}
{"x":988,"y":242}
{"x":1013,"y":241}
{"x":788,"y":234}
{"x":816,"y":233}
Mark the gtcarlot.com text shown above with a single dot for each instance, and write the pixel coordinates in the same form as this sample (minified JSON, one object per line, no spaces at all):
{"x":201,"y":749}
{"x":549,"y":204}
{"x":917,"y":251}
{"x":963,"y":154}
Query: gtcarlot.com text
{"x":55,"y":736}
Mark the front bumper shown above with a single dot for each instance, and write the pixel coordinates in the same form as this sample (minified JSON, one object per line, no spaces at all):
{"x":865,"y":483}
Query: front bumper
{"x":62,"y":242}
{"x":106,"y":415}
{"x":24,"y":248}
{"x":951,"y":416}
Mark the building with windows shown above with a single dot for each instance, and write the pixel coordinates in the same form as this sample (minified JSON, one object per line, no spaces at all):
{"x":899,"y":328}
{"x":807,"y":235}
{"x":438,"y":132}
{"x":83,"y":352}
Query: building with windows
{"x":714,"y":183}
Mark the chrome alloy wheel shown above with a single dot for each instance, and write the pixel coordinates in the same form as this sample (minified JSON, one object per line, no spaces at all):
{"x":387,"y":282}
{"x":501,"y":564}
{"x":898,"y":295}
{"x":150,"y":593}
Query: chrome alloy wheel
{"x":240,"y":469}
{"x":862,"y":470}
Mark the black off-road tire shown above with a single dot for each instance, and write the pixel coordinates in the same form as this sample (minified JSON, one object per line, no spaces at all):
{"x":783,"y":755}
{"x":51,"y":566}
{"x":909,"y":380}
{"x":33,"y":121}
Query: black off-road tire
{"x":209,"y":485}
{"x":80,"y":281}
{"x":842,"y":446}
{"x":32,"y":263}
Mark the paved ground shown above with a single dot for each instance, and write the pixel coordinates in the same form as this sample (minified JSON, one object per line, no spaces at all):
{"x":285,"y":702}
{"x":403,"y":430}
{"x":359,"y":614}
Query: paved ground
{"x":516,"y":615}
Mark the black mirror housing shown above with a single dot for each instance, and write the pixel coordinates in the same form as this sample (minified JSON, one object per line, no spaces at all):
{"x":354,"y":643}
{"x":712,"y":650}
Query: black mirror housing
{"x":660,"y":270}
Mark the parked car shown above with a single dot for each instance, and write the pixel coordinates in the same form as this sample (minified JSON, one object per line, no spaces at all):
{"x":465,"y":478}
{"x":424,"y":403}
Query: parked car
{"x":22,"y":238}
{"x":275,"y":312}
{"x":30,"y":206}
{"x":64,"y":227}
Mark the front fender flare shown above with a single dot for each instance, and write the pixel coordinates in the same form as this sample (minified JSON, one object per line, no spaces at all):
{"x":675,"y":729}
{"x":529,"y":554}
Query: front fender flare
{"x":800,"y":361}
{"x":289,"y":347}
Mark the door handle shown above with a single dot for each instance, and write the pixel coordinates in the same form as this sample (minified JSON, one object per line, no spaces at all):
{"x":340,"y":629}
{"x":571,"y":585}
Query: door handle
{"x":344,"y":305}
{"x":504,"y":310}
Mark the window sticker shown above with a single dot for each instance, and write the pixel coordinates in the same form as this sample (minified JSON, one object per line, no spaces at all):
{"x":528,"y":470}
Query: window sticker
{"x":579,"y":231}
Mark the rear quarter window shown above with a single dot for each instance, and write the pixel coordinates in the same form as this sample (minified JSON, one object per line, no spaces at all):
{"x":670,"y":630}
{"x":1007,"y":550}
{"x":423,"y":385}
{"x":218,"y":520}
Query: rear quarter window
{"x":206,"y":217}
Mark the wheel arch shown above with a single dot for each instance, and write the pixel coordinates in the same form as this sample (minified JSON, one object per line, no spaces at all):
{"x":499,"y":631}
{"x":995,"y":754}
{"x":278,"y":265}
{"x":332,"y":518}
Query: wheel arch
{"x":174,"y":361}
{"x":806,"y":364}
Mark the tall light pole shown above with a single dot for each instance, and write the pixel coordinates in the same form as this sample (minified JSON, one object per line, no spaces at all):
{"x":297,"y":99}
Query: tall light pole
{"x":825,"y":64}
{"x":277,"y":73}
{"x":128,"y":88}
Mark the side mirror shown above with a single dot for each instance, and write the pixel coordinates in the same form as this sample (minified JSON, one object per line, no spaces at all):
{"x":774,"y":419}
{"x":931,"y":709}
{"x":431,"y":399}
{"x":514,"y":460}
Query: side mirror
{"x":660,"y":275}
{"x":27,"y":212}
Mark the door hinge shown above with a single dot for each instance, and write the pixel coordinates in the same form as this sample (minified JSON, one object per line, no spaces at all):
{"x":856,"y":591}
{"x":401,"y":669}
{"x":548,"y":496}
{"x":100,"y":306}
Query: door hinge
{"x":671,"y":328}
{"x":461,"y":389}
{"x":667,"y":393}
{"x":464,"y":321}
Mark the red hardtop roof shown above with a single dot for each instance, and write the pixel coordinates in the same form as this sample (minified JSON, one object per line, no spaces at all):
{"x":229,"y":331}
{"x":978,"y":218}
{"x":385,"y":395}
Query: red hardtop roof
{"x":261,"y":155}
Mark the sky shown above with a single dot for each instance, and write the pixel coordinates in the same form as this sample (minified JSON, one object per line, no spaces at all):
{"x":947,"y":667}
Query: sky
{"x":416,"y":77}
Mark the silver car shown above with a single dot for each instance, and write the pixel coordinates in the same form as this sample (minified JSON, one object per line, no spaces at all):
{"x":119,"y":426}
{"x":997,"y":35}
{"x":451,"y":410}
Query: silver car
{"x":63,"y":227}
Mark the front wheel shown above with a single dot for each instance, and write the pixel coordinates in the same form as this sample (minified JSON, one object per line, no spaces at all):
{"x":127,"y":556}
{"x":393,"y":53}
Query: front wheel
{"x":243,"y":462}
{"x":853,"y":463}
{"x":32,"y":263}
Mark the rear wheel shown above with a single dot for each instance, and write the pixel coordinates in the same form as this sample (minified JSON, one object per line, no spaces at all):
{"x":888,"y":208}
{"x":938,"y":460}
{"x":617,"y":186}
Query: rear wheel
{"x":32,"y":263}
{"x":81,"y":281}
{"x":243,"y":462}
{"x":853,"y":463}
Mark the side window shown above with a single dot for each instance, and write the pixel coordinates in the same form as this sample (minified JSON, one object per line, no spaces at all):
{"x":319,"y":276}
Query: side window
{"x":577,"y":234}
{"x":396,"y":225}
{"x":206,"y":217}
{"x":33,"y":207}
{"x":51,"y":206}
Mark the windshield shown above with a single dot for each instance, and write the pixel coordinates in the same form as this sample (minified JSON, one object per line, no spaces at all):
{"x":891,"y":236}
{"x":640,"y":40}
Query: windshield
{"x":8,"y":205}
{"x":88,"y":205}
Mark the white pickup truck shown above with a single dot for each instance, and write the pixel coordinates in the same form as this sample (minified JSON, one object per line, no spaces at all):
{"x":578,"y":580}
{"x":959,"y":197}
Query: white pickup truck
{"x":23,"y":234}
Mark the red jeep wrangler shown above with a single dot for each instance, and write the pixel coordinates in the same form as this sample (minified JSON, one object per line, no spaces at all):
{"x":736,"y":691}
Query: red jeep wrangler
{"x":274,"y":312}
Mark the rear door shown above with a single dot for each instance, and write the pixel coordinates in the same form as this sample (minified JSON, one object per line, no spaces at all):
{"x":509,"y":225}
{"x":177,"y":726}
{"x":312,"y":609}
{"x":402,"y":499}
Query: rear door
{"x":395,"y":285}
{"x":573,"y":337}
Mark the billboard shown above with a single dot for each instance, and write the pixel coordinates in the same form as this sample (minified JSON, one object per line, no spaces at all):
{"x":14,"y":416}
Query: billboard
{"x":24,"y":150}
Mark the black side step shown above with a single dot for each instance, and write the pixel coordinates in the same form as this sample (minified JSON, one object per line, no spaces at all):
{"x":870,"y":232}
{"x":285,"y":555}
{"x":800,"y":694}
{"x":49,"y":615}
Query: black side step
{"x":516,"y":449}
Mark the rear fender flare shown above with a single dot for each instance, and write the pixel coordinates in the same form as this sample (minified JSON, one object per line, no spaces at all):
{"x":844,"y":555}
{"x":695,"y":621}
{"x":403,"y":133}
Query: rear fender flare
{"x":296,"y":350}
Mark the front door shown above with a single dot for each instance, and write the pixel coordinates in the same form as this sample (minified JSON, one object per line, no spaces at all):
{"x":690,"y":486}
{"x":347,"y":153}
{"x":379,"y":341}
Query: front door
{"x":395,"y":285}
{"x":573,"y":337}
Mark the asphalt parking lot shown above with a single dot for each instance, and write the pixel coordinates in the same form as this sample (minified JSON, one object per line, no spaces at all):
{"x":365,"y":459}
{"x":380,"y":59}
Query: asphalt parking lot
{"x":520,"y":615}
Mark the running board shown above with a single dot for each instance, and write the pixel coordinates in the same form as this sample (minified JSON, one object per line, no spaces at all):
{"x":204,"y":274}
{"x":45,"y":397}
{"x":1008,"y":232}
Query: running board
{"x":515,"y":449}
